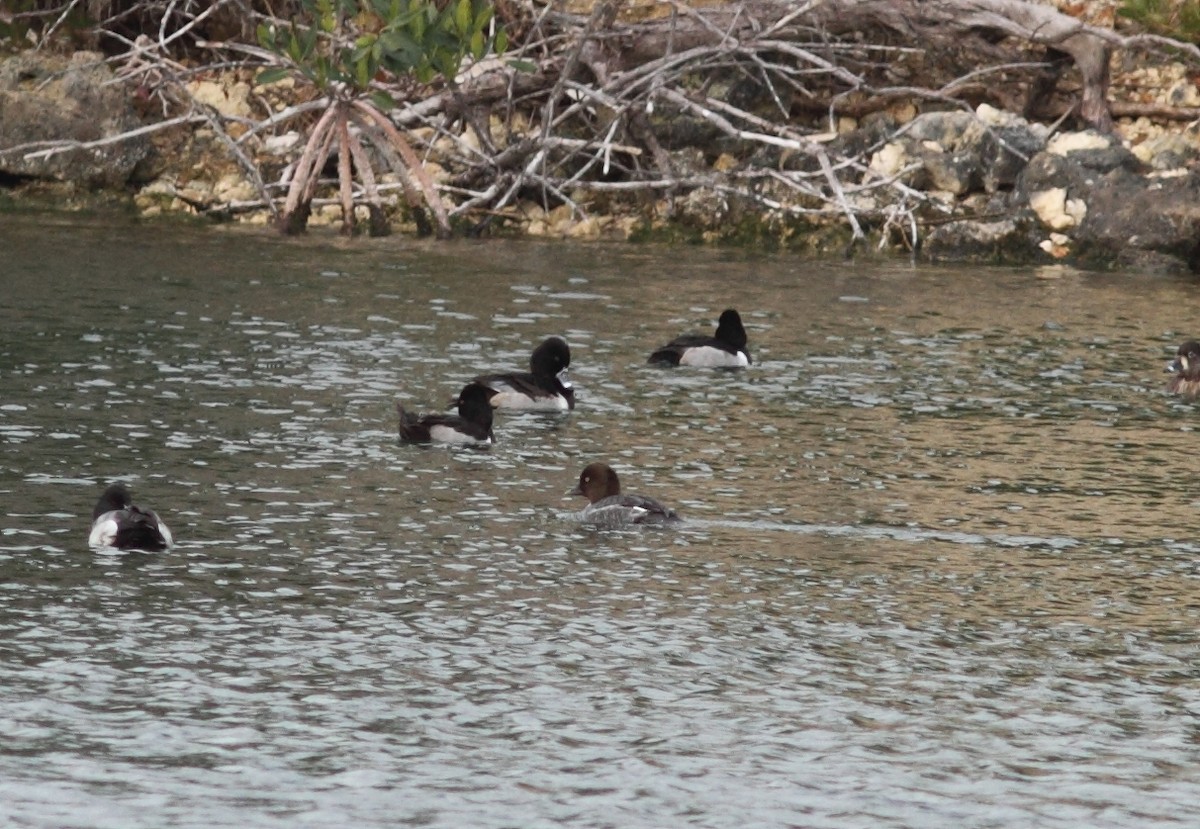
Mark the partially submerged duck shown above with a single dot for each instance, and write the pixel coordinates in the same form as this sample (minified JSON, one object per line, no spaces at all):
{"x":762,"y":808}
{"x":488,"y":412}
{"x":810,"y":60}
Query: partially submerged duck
{"x":118,"y":522}
{"x":472,"y":424}
{"x":609,"y":507}
{"x":1186,"y":367}
{"x":544,"y":387}
{"x":725,"y":349}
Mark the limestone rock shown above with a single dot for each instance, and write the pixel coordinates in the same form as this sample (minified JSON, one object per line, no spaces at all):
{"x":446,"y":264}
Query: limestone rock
{"x":50,"y":98}
{"x":231,"y":100}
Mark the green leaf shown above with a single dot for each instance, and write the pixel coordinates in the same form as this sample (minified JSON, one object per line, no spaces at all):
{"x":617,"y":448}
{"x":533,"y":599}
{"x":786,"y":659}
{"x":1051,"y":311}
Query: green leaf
{"x":523,"y":65}
{"x":293,"y":48}
{"x":417,"y":25}
{"x":308,"y":42}
{"x":266,"y":36}
{"x":484,"y":18}
{"x":462,"y":16}
{"x":501,"y":44}
{"x":326,"y":17}
{"x":478,"y":47}
{"x":382,"y":100}
{"x":272,"y":75}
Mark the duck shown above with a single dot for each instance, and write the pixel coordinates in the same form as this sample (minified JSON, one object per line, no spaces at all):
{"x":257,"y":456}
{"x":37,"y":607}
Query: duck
{"x":1186,"y":368}
{"x":609,"y":507}
{"x":472,"y":424}
{"x":544,"y":387}
{"x":726,"y":349}
{"x":117,"y":522}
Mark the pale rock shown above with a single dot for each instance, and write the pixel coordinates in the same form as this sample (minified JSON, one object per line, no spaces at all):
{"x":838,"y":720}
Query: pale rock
{"x":1057,"y":245}
{"x":724,"y":163}
{"x":902,"y":111}
{"x":231,"y":100}
{"x":1168,"y":150}
{"x":1066,"y":143}
{"x":531,"y":210}
{"x":326,"y":215}
{"x":1183,"y":94}
{"x":470,"y":141}
{"x":196,"y":192}
{"x":889,"y":160}
{"x":627,"y":226}
{"x":279,"y":145}
{"x":993,"y":117}
{"x":159,"y":187}
{"x":563,"y":214}
{"x":588,"y":228}
{"x":1049,"y":205}
{"x":1076,"y":209}
{"x":231,"y":187}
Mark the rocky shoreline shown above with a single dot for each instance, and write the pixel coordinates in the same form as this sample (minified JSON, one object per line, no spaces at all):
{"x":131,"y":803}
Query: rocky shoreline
{"x":988,"y":186}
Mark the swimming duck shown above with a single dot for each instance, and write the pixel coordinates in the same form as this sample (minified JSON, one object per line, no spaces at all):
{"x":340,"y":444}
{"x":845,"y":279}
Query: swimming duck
{"x":727,"y":348}
{"x":543,"y":388}
{"x":1186,"y":367}
{"x":608,"y":507}
{"x":472,"y":424}
{"x":116,"y":522}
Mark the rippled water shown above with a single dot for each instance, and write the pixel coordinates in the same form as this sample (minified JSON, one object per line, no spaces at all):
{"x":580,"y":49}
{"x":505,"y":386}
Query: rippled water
{"x":938,"y":566}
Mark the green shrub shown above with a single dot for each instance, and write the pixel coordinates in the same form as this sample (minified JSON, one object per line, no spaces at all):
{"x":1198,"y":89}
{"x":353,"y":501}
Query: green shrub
{"x":353,"y":42}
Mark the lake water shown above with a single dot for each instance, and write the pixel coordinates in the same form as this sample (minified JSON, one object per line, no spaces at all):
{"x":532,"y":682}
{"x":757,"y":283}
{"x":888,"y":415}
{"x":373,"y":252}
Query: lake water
{"x":938,"y":565}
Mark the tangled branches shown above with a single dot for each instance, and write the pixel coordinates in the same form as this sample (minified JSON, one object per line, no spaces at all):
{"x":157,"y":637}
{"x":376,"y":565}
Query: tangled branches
{"x":737,"y":108}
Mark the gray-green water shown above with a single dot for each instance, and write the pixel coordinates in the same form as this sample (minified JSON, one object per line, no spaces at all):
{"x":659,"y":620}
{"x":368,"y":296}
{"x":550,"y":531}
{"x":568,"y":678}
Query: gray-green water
{"x":938,"y":568}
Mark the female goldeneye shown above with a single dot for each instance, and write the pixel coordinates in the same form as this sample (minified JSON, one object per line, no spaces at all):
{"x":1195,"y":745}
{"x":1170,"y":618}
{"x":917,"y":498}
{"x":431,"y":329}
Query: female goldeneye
{"x":727,"y":349}
{"x":609,"y":508}
{"x":116,"y":522}
{"x":543,"y":388}
{"x":1186,"y":367}
{"x":472,"y":424}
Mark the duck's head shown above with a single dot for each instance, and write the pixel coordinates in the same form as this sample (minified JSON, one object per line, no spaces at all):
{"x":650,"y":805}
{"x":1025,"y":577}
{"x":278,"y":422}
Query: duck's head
{"x":115,"y":497}
{"x":474,"y":403}
{"x":730,"y":329}
{"x":1187,"y":360}
{"x":596,"y":481}
{"x":551,"y":359}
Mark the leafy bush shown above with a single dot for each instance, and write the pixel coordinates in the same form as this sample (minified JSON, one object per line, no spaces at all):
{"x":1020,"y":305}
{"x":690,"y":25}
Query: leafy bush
{"x":351,"y":43}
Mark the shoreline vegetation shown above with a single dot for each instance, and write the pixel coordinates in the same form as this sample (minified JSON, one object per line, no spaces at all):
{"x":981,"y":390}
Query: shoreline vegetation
{"x":969,"y":130}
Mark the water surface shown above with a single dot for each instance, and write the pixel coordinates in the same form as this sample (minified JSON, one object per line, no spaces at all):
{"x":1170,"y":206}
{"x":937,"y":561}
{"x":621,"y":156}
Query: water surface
{"x":937,"y":568}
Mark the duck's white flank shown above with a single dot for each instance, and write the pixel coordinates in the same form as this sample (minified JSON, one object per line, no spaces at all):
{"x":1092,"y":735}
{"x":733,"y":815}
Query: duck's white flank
{"x":705,"y":356}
